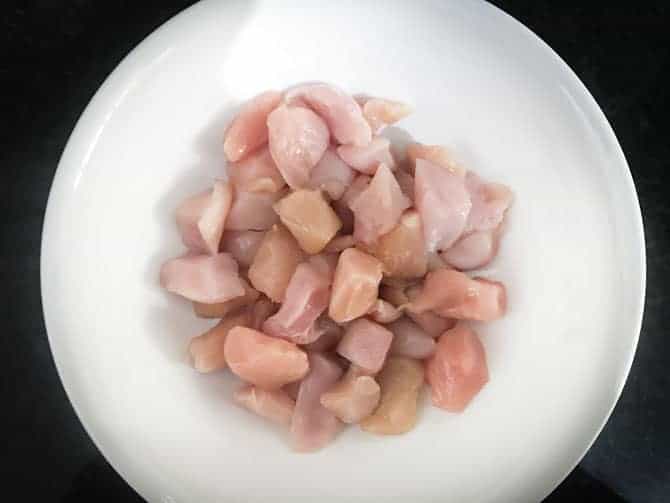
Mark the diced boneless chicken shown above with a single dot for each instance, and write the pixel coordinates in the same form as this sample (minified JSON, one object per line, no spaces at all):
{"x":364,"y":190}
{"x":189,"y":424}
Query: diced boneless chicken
{"x":221,"y":309}
{"x":410,"y":340}
{"x":331,"y":175}
{"x":472,"y":251}
{"x":275,"y":405}
{"x":365,"y":344}
{"x":242,"y":245}
{"x":367,"y":159}
{"x":256,"y":173}
{"x":354,"y":397}
{"x":380,"y":112}
{"x":207,"y":350}
{"x":355,"y":286}
{"x":252,"y":211}
{"x":402,"y":250}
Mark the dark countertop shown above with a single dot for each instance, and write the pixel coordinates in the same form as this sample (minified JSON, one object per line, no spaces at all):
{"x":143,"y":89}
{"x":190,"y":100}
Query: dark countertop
{"x":56,"y":53}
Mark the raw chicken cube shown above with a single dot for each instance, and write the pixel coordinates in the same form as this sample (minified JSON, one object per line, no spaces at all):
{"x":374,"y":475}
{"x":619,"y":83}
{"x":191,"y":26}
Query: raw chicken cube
{"x":402,"y":250}
{"x":381,"y":112}
{"x":400,"y":380}
{"x":201,"y":218}
{"x":253,"y":211}
{"x":202,"y":278}
{"x":207,"y":349}
{"x":489,"y":203}
{"x":276,"y":259}
{"x":431,"y":323}
{"x":297,"y":138}
{"x":367,"y":159}
{"x":472,"y":251}
{"x":221,"y":309}
{"x":353,"y":398}
{"x":248,"y":130}
{"x":355,"y":285}
{"x":378,"y":207}
{"x":242,"y":245}
{"x":341,"y":112}
{"x":313,"y":426}
{"x":331,"y":174}
{"x":384,"y":312}
{"x":435,"y":154}
{"x":457,"y":371}
{"x":275,"y":405}
{"x":306,"y":297}
{"x":443,"y":203}
{"x":262,"y":360}
{"x":256,"y":173}
{"x":410,"y":340}
{"x":365,"y":344}
{"x":325,"y":263}
{"x":309,"y":218}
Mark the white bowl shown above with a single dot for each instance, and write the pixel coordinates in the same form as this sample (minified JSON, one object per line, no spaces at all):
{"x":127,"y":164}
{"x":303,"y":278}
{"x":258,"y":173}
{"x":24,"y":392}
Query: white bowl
{"x":573,"y":256}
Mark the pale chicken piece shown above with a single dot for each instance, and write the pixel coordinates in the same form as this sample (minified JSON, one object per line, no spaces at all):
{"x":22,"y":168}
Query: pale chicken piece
{"x":400,"y":381}
{"x":355,"y":285}
{"x":394,"y":294}
{"x":378,"y":207}
{"x":253,"y":211}
{"x":202,"y":278}
{"x":340,"y":243}
{"x":367,"y":159}
{"x":310,"y":219}
{"x":248,"y":130}
{"x":275,"y":405}
{"x":343,"y":206}
{"x":433,"y":324}
{"x":312,"y":425}
{"x":365,"y":344}
{"x":340,"y":111}
{"x":402,"y":250}
{"x":256,"y":173}
{"x":443,"y":203}
{"x":452,"y":294}
{"x":435,"y":154}
{"x":384,"y":312}
{"x":472,"y":251}
{"x":306,"y":297}
{"x":276,"y":259}
{"x":410,"y":340}
{"x":207,"y":349}
{"x":325,"y":263}
{"x":354,"y":397}
{"x":457,"y":371}
{"x":262,"y":309}
{"x":242,"y":245}
{"x":221,"y":309}
{"x":331,"y":175}
{"x":380,"y":112}
{"x":406,"y":183}
{"x":331,"y":333}
{"x":201,"y":218}
{"x":262,"y":360}
{"x":297,"y":138}
{"x":489,"y":203}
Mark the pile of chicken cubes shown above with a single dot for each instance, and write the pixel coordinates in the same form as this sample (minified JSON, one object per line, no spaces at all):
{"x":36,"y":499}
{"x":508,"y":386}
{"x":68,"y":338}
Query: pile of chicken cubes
{"x":336,"y":266}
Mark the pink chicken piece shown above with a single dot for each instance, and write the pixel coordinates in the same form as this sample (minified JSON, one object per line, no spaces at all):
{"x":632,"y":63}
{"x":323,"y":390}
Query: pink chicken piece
{"x":242,"y":245}
{"x":325,"y":263}
{"x":256,"y":173}
{"x":312,"y":425}
{"x":457,"y":371}
{"x":410,"y":340}
{"x":298,"y":139}
{"x":275,"y":405}
{"x":201,"y":218}
{"x":354,"y":397}
{"x":366,"y":159}
{"x":253,"y":211}
{"x":202,"y":278}
{"x":331,"y":175}
{"x":472,"y":251}
{"x":248,"y":130}
{"x":435,"y":154}
{"x":340,"y":111}
{"x":402,"y":249}
{"x":262,"y":360}
{"x":342,"y":207}
{"x":274,"y":263}
{"x":355,"y":285}
{"x":384,"y":312}
{"x":365,"y":344}
{"x":380,"y":112}
{"x":377,"y":209}
{"x":221,"y":309}
{"x":207,"y":349}
{"x":489,"y":203}
{"x":431,"y":323}
{"x":306,"y":297}
{"x":443,"y":203}
{"x":453,"y":294}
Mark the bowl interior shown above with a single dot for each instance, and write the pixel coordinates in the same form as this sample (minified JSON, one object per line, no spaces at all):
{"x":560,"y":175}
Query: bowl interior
{"x":572,"y":257}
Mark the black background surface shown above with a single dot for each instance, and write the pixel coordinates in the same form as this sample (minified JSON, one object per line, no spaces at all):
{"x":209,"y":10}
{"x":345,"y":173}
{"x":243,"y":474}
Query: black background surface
{"x":53,"y":57}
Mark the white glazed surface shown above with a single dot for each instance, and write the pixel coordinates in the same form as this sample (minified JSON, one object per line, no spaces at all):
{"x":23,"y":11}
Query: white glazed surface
{"x":572,"y":258}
